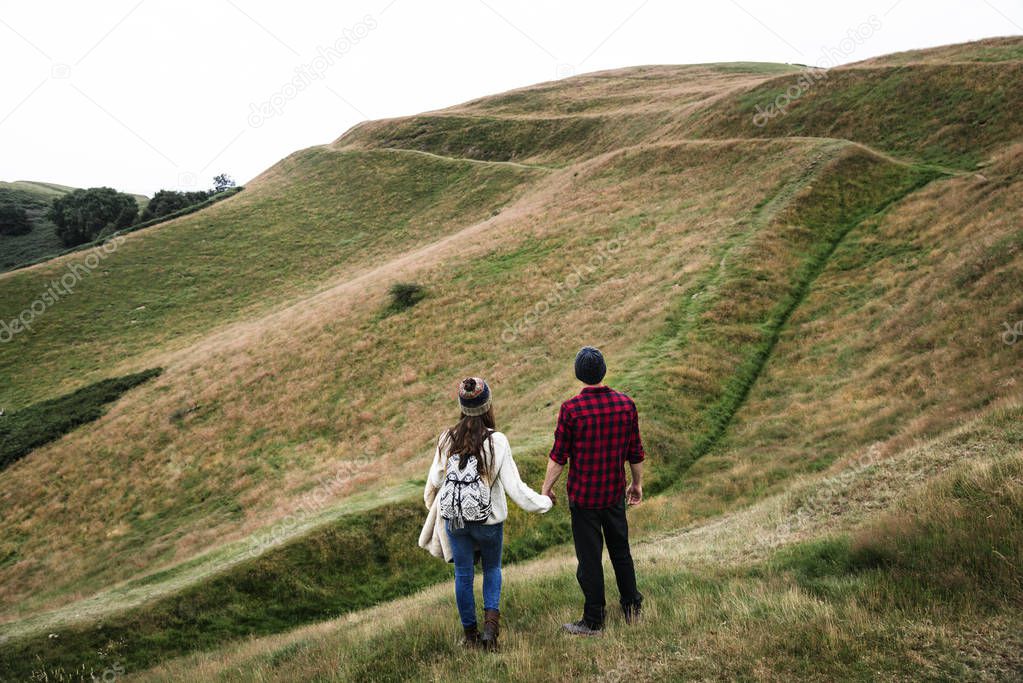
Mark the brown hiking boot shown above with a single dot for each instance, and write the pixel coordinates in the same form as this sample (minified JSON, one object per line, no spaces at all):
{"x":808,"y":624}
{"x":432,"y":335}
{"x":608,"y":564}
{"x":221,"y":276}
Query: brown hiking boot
{"x":491,"y":629}
{"x":471,"y":641}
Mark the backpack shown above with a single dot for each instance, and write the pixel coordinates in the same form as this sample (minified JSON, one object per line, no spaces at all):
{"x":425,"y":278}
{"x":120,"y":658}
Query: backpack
{"x":464,"y":496}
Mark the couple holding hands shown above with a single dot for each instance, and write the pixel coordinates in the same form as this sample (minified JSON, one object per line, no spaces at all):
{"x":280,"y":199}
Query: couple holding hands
{"x":473,"y":472}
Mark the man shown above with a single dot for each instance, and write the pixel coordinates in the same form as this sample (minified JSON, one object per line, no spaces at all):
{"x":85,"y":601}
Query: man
{"x":597,"y":433}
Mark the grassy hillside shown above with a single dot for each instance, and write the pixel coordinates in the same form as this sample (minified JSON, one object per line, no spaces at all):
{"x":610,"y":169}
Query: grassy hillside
{"x":42,"y":241}
{"x":245,"y":439}
{"x":809,"y":315}
{"x":36,"y":198}
{"x":555,"y":123}
{"x":951,"y":114}
{"x":746,"y":597}
{"x":317,"y":215}
{"x":1005,"y":49}
{"x":901,"y":336}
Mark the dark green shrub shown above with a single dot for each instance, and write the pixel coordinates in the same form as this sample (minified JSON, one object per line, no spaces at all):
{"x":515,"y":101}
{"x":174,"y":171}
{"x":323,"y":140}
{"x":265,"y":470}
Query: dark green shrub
{"x":81,"y":215}
{"x":24,"y":430}
{"x":222,"y":182}
{"x":166,"y":202}
{"x":13,"y":217}
{"x":404,"y":295}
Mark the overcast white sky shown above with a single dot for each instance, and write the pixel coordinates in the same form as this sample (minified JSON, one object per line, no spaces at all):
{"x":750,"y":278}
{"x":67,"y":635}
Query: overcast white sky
{"x":165,"y":94}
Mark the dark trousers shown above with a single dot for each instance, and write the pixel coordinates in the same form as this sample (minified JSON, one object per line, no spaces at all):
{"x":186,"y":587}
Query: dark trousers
{"x":590,"y":528}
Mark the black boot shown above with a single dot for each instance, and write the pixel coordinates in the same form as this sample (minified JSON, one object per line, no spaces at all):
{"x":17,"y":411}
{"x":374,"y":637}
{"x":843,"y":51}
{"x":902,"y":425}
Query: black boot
{"x":491,"y":629}
{"x":633,"y":613}
{"x":591,"y":624}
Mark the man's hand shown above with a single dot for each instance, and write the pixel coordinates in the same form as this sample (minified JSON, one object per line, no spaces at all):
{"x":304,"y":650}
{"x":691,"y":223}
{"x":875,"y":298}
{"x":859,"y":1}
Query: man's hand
{"x":634,"y":494}
{"x":553,"y":472}
{"x":549,"y":492}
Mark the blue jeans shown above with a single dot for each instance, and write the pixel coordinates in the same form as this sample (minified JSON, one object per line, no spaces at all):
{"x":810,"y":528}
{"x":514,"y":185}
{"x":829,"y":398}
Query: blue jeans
{"x":489,"y":538}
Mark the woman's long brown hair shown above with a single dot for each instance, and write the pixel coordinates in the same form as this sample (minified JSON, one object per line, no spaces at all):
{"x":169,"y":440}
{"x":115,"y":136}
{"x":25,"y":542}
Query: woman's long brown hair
{"x":467,"y":437}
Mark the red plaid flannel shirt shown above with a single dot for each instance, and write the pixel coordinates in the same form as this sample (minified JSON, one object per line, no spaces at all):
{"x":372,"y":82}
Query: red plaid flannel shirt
{"x":598,"y":431}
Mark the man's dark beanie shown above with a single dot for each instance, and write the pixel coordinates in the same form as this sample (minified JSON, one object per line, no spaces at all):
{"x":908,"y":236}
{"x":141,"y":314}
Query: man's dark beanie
{"x":589,"y":365}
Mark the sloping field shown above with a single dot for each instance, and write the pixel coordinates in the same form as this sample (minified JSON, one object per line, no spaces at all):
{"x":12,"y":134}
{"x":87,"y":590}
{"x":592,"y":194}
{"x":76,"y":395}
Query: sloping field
{"x":748,"y":595}
{"x":956,"y":115}
{"x":42,"y":241}
{"x":821,"y":299}
{"x":316,"y":215}
{"x":283,"y":402}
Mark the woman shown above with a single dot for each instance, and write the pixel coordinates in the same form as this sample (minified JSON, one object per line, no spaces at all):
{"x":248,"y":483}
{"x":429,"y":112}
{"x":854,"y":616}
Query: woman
{"x":472,"y":471}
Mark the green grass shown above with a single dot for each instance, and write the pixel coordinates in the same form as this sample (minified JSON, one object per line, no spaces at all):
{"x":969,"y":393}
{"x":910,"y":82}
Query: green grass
{"x":959,"y":543}
{"x":358,"y":561}
{"x":241,"y":256}
{"x":956,"y":544}
{"x":17,"y":251}
{"x":893,"y":109}
{"x":892,"y":598}
{"x":744,"y":303}
{"x":1005,"y":49}
{"x":354,"y":563}
{"x":753,"y":67}
{"x":484,"y":138}
{"x":26,"y":429}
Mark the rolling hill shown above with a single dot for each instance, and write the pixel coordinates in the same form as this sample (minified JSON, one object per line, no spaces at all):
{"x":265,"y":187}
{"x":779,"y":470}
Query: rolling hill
{"x":42,"y":241}
{"x":814,"y":316}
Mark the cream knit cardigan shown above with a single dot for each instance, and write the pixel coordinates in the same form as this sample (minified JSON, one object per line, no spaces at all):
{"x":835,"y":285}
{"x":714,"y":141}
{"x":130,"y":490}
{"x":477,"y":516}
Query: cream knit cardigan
{"x":434,"y":537}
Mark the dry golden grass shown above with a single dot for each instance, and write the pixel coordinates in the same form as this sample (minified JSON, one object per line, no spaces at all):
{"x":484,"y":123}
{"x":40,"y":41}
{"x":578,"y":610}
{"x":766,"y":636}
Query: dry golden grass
{"x":901,"y":337}
{"x":306,"y":379}
{"x":324,"y":384}
{"x":645,"y":89}
{"x":570,"y":120}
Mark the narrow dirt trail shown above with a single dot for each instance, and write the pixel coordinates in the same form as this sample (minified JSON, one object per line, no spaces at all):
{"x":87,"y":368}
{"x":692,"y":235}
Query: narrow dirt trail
{"x":483,"y":162}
